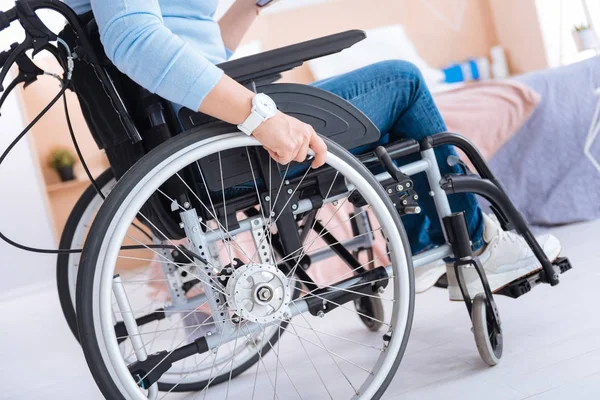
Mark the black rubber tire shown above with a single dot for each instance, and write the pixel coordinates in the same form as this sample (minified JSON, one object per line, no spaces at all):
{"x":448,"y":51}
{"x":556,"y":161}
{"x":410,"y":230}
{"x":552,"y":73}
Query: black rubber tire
{"x":488,"y":337}
{"x":373,"y":307}
{"x":66,"y":241}
{"x":86,"y":276}
{"x":62,"y":274}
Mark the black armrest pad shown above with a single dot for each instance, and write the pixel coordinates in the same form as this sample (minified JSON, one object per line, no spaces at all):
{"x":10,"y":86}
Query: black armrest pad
{"x":283,"y":59}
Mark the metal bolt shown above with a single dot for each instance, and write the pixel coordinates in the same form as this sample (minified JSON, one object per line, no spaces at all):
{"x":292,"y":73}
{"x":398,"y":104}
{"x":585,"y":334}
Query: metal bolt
{"x":390,"y":191}
{"x":287,"y":315}
{"x":272,"y":213}
{"x":416,"y":197}
{"x":380,"y":289}
{"x":287,"y":182}
{"x":181,"y":225}
{"x":209,"y":333}
{"x":335,"y":203}
{"x":195,"y":229}
{"x":404,"y":202}
{"x":265,"y":294}
{"x":268,"y":198}
{"x":320,"y":314}
{"x":256,"y":222}
{"x":186,"y":205}
{"x":290,"y":191}
{"x":408,"y":184}
{"x":294,"y":207}
{"x":431,"y":193}
{"x":399,"y":188}
{"x":200,"y":219}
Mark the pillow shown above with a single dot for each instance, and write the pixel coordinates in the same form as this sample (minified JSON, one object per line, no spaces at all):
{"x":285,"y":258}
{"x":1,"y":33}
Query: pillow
{"x":385,"y":43}
{"x":488,"y":113}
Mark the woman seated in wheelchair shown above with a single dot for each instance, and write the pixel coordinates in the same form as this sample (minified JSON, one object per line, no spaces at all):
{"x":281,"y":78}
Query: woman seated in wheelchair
{"x":244,"y":255}
{"x":171,"y":48}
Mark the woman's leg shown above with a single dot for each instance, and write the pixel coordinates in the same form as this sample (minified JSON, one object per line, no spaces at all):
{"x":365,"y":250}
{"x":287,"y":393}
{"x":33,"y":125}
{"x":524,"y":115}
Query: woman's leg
{"x":394,"y":96}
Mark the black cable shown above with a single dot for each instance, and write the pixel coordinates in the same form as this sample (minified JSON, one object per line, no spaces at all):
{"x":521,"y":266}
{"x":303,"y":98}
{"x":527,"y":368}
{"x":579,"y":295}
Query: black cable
{"x":84,"y":164}
{"x":189,"y":253}
{"x":65,"y":84}
{"x":9,"y":149}
{"x":78,"y":150}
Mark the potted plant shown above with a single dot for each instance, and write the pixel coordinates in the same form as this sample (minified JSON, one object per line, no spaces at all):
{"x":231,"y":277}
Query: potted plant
{"x":62,"y":161}
{"x":585,"y":37}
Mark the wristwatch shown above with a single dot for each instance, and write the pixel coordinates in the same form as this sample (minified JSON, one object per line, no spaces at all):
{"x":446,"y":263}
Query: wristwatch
{"x":263,"y":108}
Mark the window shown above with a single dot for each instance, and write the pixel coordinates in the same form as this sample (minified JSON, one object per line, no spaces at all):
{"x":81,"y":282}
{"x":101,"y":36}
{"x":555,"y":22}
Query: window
{"x":557,"y":21}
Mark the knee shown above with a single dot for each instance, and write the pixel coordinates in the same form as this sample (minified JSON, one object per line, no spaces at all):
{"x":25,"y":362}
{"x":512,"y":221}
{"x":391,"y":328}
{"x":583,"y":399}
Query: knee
{"x":400,"y":69}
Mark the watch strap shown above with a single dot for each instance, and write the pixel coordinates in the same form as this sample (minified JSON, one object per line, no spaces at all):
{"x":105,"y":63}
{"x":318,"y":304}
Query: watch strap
{"x":251,"y":123}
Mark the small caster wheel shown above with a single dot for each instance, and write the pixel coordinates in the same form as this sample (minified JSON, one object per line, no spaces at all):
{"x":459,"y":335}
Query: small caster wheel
{"x":373,"y":307}
{"x":488,"y":335}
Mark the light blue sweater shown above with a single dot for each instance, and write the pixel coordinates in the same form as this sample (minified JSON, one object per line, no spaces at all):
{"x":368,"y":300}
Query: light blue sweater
{"x":169,"y":47}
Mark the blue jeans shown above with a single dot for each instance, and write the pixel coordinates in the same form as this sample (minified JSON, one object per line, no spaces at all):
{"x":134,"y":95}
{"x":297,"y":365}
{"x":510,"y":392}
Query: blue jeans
{"x":394,"y":96}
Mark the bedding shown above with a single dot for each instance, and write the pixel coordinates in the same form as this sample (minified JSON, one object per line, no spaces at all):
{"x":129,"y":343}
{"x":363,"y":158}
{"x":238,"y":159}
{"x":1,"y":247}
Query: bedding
{"x":543,"y":167}
{"x":489,"y":113}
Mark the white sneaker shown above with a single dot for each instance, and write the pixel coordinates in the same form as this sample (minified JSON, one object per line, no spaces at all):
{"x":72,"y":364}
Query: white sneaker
{"x":506,"y":257}
{"x":427,"y":275}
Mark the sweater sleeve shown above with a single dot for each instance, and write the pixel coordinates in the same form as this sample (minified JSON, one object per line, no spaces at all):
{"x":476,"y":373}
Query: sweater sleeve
{"x":139,"y":44}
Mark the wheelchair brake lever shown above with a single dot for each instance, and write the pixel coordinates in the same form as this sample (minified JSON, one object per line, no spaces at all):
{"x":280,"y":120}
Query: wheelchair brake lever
{"x":388,"y":163}
{"x":402,"y":190}
{"x":37,"y":37}
{"x":37,"y":34}
{"x":28,"y":73}
{"x":14,"y":53}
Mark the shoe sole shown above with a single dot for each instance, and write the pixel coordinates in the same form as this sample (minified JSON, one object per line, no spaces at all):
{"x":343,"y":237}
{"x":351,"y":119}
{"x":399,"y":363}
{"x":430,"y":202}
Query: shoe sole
{"x":507,"y":278}
{"x":428,"y":279}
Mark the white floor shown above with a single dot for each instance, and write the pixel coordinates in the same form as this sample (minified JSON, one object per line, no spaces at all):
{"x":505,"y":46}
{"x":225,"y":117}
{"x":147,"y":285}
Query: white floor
{"x":552,"y":343}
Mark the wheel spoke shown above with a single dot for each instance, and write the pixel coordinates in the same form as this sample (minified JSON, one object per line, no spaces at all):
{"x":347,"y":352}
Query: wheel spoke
{"x":245,"y":315}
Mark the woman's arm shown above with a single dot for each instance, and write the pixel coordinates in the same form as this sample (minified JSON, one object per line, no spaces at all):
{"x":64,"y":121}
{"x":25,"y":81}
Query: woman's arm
{"x":136,"y":40}
{"x":236,"y":22}
{"x":140,"y":45}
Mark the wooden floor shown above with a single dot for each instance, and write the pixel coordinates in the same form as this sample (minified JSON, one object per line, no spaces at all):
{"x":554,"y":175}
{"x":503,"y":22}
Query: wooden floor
{"x":552,"y":343}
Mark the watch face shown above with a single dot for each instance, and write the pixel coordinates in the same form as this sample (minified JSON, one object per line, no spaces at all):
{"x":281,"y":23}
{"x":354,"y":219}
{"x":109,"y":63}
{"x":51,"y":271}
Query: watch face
{"x":265,"y":105}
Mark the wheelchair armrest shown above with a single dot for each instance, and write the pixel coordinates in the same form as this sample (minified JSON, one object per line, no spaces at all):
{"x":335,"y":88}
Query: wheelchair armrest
{"x":271,"y":63}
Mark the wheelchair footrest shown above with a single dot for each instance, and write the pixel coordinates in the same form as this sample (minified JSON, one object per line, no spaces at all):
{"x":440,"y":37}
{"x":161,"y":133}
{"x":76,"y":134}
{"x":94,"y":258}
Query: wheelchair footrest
{"x":524,"y":285}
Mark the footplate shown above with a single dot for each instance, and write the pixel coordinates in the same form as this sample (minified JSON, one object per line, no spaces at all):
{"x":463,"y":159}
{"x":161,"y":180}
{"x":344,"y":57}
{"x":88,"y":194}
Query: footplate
{"x":524,"y":285}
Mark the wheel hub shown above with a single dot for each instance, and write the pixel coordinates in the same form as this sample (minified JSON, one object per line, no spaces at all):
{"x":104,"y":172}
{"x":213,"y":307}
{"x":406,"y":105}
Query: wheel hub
{"x":259,"y":293}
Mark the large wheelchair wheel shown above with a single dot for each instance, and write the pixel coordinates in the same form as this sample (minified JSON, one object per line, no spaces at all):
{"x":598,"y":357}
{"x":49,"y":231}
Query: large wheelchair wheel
{"x":73,"y":237}
{"x":248,"y":281}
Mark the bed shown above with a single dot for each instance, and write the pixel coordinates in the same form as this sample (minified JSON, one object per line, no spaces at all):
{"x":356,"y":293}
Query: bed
{"x":532,"y":127}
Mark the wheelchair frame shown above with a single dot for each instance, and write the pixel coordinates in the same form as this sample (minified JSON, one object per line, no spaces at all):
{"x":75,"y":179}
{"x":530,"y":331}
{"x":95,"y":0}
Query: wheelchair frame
{"x":395,"y":180}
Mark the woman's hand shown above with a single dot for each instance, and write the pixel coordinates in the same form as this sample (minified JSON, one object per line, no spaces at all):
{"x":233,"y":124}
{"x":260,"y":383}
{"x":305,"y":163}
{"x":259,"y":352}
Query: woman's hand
{"x":288,"y":139}
{"x":285,"y":138}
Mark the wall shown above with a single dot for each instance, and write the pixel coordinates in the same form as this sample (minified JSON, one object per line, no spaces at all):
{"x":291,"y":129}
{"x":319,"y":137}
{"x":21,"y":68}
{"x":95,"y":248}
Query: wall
{"x":518,"y":31}
{"x":23,"y":211}
{"x":436,"y":41}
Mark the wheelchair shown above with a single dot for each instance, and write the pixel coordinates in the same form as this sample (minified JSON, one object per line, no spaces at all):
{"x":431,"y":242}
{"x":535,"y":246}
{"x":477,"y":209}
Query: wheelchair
{"x":225,"y":243}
